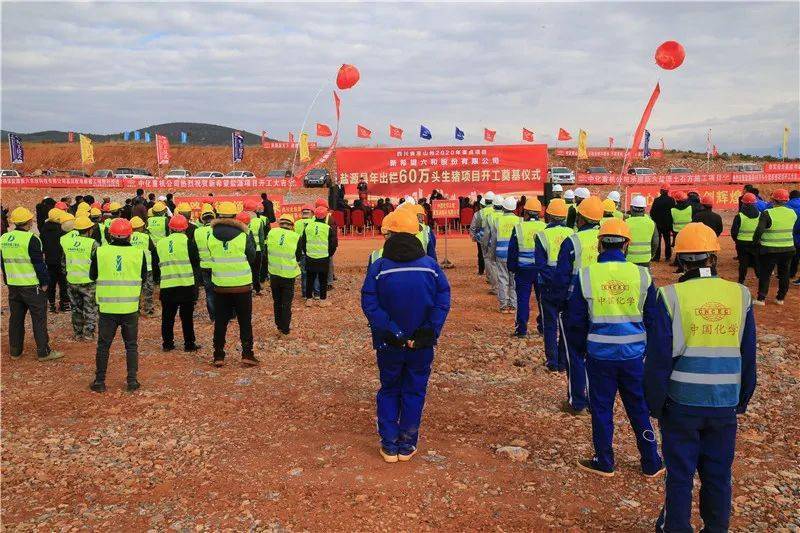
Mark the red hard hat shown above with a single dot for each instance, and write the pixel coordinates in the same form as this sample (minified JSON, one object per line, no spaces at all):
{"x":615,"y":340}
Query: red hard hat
{"x":178,"y":223}
{"x":748,"y":198}
{"x":251,"y":205}
{"x":681,"y":196}
{"x":243,"y":217}
{"x":106,"y":208}
{"x":120,"y":227}
{"x":665,"y":186}
{"x":708,"y":199}
{"x":307,"y":207}
{"x":779,"y":195}
{"x":320,"y":211}
{"x":62,"y":205}
{"x":96,"y":205}
{"x":321,"y":203}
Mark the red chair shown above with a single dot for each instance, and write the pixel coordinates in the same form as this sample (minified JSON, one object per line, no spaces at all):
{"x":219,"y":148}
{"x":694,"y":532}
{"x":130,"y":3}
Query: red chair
{"x":338,"y":218}
{"x":466,"y":217}
{"x":357,"y":220}
{"x":377,"y":218}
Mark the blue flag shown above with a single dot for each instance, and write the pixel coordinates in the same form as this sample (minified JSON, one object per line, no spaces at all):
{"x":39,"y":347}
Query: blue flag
{"x":459,"y":134}
{"x":15,"y":148}
{"x":425,"y":133}
{"x":126,"y":135}
{"x":237,"y":147}
{"x":646,"y":151}
{"x":184,"y":137}
{"x":137,"y":136}
{"x":147,"y":136}
{"x":780,"y":151}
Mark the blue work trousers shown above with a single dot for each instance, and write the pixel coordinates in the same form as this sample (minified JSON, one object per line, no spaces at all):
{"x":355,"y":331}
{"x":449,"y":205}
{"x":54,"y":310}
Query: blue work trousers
{"x":554,"y":348}
{"x":576,"y":374}
{"x":524,"y":281}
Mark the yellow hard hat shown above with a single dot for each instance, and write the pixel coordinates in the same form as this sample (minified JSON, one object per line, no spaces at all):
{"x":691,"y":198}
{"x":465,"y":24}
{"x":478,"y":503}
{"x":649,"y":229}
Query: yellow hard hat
{"x":227,"y":209}
{"x":82,"y":223}
{"x":533,"y":204}
{"x":66,"y":216}
{"x":616,"y":227}
{"x":67,"y":221}
{"x":83,"y":207}
{"x":609,"y":206}
{"x":288,"y":217}
{"x":387,"y":221}
{"x":183,"y":207}
{"x":55,"y":215}
{"x":404,"y":221}
{"x":591,"y":208}
{"x":20,"y":215}
{"x":206,"y":210}
{"x":557,"y":208}
{"x":114,"y":206}
{"x":419,"y":210}
{"x":137,"y":222}
{"x":159,"y":207}
{"x":95,"y":212}
{"x":696,"y":237}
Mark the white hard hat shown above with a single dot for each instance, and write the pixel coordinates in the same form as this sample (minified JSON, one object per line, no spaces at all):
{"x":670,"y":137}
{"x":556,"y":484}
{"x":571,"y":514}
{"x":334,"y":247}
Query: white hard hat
{"x":162,"y":198}
{"x":510,"y":203}
{"x":410,"y":200}
{"x":582,"y":192}
{"x":569,"y":194}
{"x":613,"y":195}
{"x":483,"y":200}
{"x":639,"y":201}
{"x":557,"y":187}
{"x":497,"y":200}
{"x":489,"y":196}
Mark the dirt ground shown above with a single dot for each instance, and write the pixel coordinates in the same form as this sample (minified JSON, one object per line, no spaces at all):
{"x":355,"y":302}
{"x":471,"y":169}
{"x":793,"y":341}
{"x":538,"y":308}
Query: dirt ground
{"x":291,"y":445}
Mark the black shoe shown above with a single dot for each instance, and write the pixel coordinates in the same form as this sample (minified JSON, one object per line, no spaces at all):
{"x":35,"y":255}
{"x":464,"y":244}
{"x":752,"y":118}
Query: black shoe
{"x":590,"y":465}
{"x":98,"y":386}
{"x":15,"y":356}
{"x":133,"y":385}
{"x":167,"y":347}
{"x":551,"y":368}
{"x":53,"y":308}
{"x":64,"y":307}
{"x":191,"y":347}
{"x":250,"y":360}
{"x":519,"y":335}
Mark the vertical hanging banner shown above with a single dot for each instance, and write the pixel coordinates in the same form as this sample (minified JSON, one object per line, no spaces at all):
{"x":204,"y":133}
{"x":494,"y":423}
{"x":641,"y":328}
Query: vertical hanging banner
{"x":162,"y":149}
{"x":237,"y":147}
{"x":305,"y":154}
{"x":15,"y":150}
{"x":137,"y":136}
{"x":184,"y":137}
{"x":87,"y":150}
{"x":126,"y":135}
{"x":637,"y":138}
{"x":147,"y":136}
{"x":582,"y":135}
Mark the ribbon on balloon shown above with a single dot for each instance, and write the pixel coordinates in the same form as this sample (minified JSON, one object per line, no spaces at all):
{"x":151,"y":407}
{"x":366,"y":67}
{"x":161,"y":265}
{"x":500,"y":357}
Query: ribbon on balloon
{"x":329,"y":152}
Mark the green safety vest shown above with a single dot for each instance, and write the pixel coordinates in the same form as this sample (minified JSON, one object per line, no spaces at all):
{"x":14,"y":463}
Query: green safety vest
{"x":680,"y":217}
{"x":255,"y":228}
{"x":484,"y":212}
{"x":229,"y":265}
{"x":201,"y":240}
{"x":119,"y":279}
{"x":103,"y":227}
{"x":16,"y":260}
{"x":424,"y":236}
{"x":375,"y":255}
{"x":141,"y":240}
{"x":606,"y":218}
{"x":747,"y":227}
{"x":317,"y":239}
{"x":77,"y":256}
{"x":779,"y":234}
{"x":300,"y":225}
{"x":282,"y":253}
{"x":586,"y":252}
{"x":618,"y":214}
{"x":526,"y":231}
{"x":157,"y":227}
{"x":640,"y":249}
{"x":551,"y":239}
{"x":173,"y":260}
{"x":708,"y":317}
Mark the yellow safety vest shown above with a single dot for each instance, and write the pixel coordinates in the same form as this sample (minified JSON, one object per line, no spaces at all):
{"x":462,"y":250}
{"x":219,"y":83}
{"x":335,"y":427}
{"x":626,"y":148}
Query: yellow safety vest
{"x":16,"y":260}
{"x":141,"y":240}
{"x":157,"y":227}
{"x":640,"y":249}
{"x":282,"y":253}
{"x":255,"y":228}
{"x":173,"y":260}
{"x":551,"y":239}
{"x":586,"y":252}
{"x":300,"y":225}
{"x":526,"y":236}
{"x":201,"y":240}
{"x":77,"y":256}
{"x":317,"y":239}
{"x":119,"y":279}
{"x":747,"y":227}
{"x":680,"y":217}
{"x":229,"y":265}
{"x":424,"y":236}
{"x":505,"y":226}
{"x":779,"y":234}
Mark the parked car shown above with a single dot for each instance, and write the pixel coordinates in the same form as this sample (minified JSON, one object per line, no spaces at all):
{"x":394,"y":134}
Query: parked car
{"x":209,"y":174}
{"x":132,"y":171}
{"x":9,"y":173}
{"x":597,"y":170}
{"x":317,"y":177}
{"x":561,"y":175}
{"x":240,"y":174}
{"x":177,"y":173}
{"x":641,"y":171}
{"x":278,"y":173}
{"x":103,"y":173}
{"x":743,"y":167}
{"x":679,"y":170}
{"x":75,"y":173}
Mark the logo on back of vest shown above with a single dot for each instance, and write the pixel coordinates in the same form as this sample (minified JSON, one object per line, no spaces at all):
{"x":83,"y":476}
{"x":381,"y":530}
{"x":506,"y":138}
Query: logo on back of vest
{"x":713,"y":311}
{"x":615,"y":286}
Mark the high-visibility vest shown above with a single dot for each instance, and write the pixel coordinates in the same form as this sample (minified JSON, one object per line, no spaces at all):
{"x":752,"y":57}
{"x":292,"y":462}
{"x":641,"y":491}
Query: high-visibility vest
{"x":141,"y":240}
{"x":505,"y":227}
{"x":606,"y":218}
{"x":747,"y":227}
{"x":585,"y":245}
{"x":157,"y":227}
{"x":680,"y":217}
{"x":618,"y":214}
{"x":640,"y":249}
{"x":484,"y":212}
{"x":526,"y":240}
{"x":16,"y":260}
{"x":375,"y":255}
{"x":119,"y":279}
{"x":201,"y":240}
{"x":103,"y":228}
{"x":255,"y":227}
{"x":229,"y":265}
{"x":282,"y":253}
{"x":424,"y":236}
{"x":317,"y":239}
{"x":779,"y":234}
{"x":491,"y":217}
{"x":300,"y":225}
{"x":173,"y":260}
{"x":615,"y":292}
{"x":77,"y":256}
{"x":708,"y":316}
{"x":551,"y":239}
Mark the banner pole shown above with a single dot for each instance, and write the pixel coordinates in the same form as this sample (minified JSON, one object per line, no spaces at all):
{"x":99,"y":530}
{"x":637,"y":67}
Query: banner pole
{"x":446,"y":263}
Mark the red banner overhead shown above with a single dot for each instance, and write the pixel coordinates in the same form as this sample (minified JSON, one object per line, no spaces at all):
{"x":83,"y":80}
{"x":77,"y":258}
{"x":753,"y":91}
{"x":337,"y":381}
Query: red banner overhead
{"x":610,"y":153}
{"x":726,"y":197}
{"x":454,"y":170}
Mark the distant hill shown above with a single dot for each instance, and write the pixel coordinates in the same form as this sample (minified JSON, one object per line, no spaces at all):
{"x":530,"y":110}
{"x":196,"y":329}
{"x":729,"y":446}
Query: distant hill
{"x":203,"y":134}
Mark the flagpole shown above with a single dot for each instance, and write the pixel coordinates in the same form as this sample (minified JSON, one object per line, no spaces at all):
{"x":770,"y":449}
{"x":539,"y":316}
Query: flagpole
{"x":303,"y":126}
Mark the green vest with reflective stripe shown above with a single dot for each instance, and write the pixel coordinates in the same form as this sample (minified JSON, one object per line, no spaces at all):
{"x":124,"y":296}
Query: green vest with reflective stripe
{"x":708,"y":316}
{"x":141,"y":240}
{"x":282,"y":253}
{"x":551,"y":239}
{"x":747,"y":227}
{"x":640,"y":249}
{"x":317,"y":239}
{"x":526,"y":236}
{"x":201,"y":240}
{"x":585,"y":244}
{"x":119,"y":279}
{"x":505,"y":224}
{"x":103,"y":227}
{"x":300,"y":225}
{"x":77,"y":257}
{"x":375,"y":255}
{"x":173,"y":260}
{"x":255,"y":228}
{"x":424,"y":236}
{"x":680,"y":217}
{"x":229,"y":265}
{"x":16,"y":260}
{"x":779,"y":234}
{"x":157,"y":227}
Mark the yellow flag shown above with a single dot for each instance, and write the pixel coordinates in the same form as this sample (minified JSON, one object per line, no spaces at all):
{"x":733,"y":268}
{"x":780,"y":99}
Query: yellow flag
{"x":87,"y":151}
{"x":582,"y":145}
{"x":305,"y":155}
{"x":785,"y":141}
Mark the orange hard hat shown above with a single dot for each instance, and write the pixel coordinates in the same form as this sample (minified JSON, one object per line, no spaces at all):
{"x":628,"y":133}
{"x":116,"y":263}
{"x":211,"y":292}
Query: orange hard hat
{"x":680,"y":196}
{"x":591,"y":208}
{"x":320,"y":211}
{"x":121,"y":228}
{"x":779,"y":195}
{"x":243,"y":216}
{"x":696,"y":237}
{"x":251,"y":205}
{"x":749,"y":198}
{"x":307,"y":207}
{"x":616,"y":227}
{"x":178,"y":223}
{"x":557,"y":208}
{"x":106,"y":208}
{"x":401,"y":221}
{"x":665,"y":187}
{"x":708,"y":199}
{"x":320,"y":202}
{"x":96,"y":205}
{"x":62,"y":205}
{"x":533,"y":204}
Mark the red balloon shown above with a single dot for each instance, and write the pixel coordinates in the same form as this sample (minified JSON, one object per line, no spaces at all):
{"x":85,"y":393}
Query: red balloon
{"x":670,"y":55}
{"x":347,"y":77}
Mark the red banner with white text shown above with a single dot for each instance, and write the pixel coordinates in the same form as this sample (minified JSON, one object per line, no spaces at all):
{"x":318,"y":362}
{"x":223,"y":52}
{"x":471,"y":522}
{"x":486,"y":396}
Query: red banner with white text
{"x":71,"y":182}
{"x":610,"y":153}
{"x":653,"y":179}
{"x":772,"y":168}
{"x":726,"y":196}
{"x":454,"y":170}
{"x":197,"y":201}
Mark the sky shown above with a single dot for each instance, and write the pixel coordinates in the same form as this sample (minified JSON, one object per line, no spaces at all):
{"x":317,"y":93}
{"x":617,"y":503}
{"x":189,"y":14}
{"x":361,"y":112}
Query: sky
{"x":110,"y":67}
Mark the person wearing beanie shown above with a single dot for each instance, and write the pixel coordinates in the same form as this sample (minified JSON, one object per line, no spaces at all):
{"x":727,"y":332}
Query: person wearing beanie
{"x":318,"y":243}
{"x":404,"y":331}
{"x":50,"y":234}
{"x":775,"y":235}
{"x":499,"y":237}
{"x":78,"y":246}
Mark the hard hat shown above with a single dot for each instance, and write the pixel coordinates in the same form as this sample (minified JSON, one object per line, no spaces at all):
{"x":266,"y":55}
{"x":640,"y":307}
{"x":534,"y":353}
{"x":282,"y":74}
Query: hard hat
{"x":20,"y":215}
{"x":62,"y":205}
{"x":665,"y":187}
{"x":639,"y":201}
{"x":226,"y":209}
{"x":510,"y":203}
{"x":680,"y":196}
{"x":243,"y":216}
{"x":114,"y":206}
{"x":94,"y":212}
{"x":137,"y":222}
{"x":533,"y":204}
{"x":780,"y":195}
{"x":387,"y":221}
{"x":582,"y":192}
{"x":749,"y":198}
{"x":321,"y":202}
{"x":120,"y":228}
{"x":96,"y":205}
{"x":55,"y":215}
{"x":419,"y":210}
{"x":320,"y":211}
{"x":484,"y":201}
{"x":162,"y":198}
{"x":497,"y":200}
{"x":183,"y":207}
{"x":489,"y":196}
{"x":65,"y":217}
{"x":696,"y":237}
{"x":159,"y":207}
{"x":83,"y":208}
{"x":82,"y":223}
{"x":410,"y":200}
{"x":591,"y":209}
{"x":206,"y":209}
{"x":307,"y":207}
{"x":569,"y":194}
{"x":614,"y":230}
{"x":557,"y":188}
{"x":106,"y":207}
{"x":287,"y":217}
{"x":401,"y":222}
{"x":708,"y":199}
{"x":557,"y":208}
{"x":251,"y":205}
{"x":178,"y":223}
{"x":613,"y":195}
{"x":608,"y":205}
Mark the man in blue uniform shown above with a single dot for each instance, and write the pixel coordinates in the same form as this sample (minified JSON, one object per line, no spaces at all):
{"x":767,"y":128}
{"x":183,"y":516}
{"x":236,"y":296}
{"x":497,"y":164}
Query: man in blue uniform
{"x":521,"y":249}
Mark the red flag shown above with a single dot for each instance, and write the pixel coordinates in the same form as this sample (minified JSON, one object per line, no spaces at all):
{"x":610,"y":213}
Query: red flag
{"x":291,"y":137}
{"x":527,"y":135}
{"x":637,"y":138}
{"x":363,"y":132}
{"x":610,"y":142}
{"x":323,"y":130}
{"x":563,"y":135}
{"x":162,"y":149}
{"x":488,"y":135}
{"x":395,"y":132}
{"x":714,"y":152}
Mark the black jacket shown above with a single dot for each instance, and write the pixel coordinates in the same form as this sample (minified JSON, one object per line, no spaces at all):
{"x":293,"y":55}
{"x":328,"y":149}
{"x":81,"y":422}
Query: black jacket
{"x":269,"y":210}
{"x":319,"y":265}
{"x":749,"y":210}
{"x":660,"y":211}
{"x":51,"y":233}
{"x":227,"y":229}
{"x":708,"y":217}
